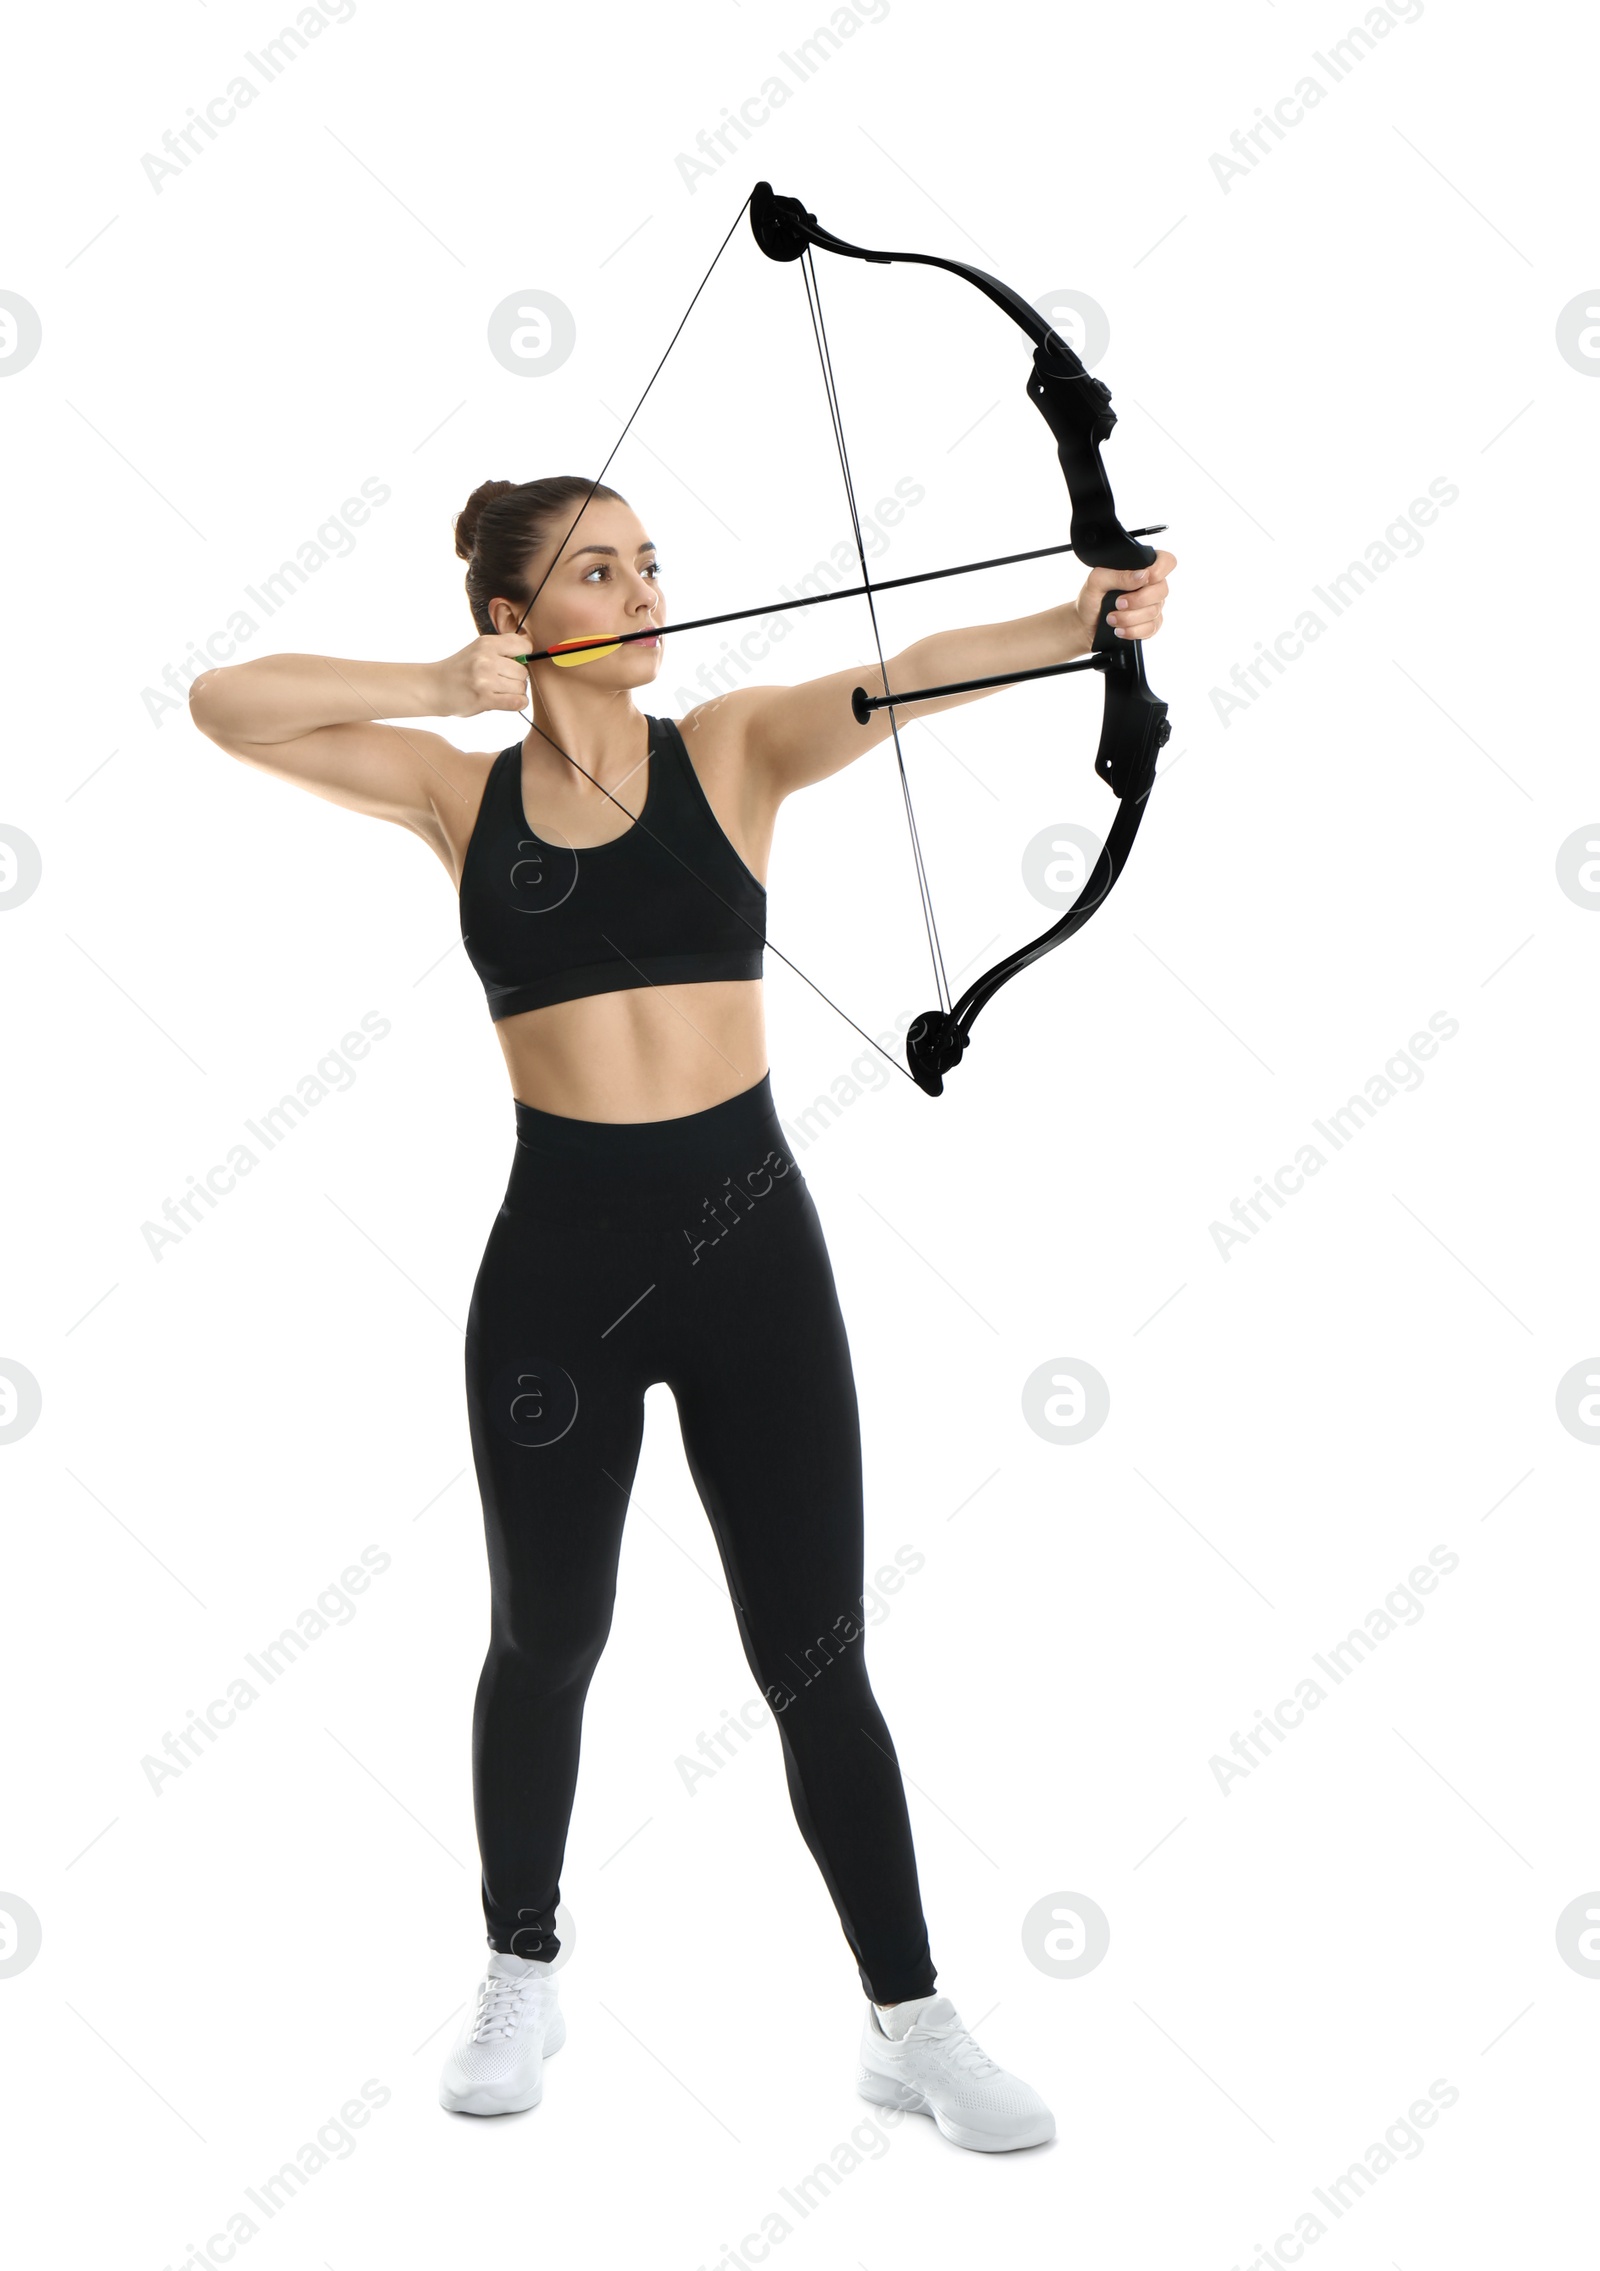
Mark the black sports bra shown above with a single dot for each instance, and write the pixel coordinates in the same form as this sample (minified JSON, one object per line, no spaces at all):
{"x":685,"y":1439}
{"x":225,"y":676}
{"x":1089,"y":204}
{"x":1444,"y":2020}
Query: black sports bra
{"x":669,"y":902}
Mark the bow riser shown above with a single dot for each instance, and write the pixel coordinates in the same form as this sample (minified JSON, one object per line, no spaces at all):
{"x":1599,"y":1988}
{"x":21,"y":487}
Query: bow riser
{"x":1133,"y":725}
{"x":1077,"y":409}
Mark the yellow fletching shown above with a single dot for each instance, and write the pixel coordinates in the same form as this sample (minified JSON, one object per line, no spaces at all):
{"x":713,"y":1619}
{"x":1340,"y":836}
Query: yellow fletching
{"x":573,"y":652}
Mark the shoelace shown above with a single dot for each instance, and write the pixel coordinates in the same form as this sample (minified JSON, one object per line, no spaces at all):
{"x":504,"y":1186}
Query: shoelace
{"x":499,"y":2008}
{"x":960,"y":2049}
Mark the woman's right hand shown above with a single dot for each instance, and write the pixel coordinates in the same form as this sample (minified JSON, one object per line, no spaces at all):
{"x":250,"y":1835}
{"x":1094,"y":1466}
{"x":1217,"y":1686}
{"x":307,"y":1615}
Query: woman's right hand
{"x":484,"y":676}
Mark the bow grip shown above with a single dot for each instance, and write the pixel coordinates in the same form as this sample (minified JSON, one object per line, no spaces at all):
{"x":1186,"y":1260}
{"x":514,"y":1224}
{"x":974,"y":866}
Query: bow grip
{"x":1133,"y":728}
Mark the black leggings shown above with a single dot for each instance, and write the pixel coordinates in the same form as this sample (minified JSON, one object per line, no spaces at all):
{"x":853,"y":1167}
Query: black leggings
{"x":686,"y":1251}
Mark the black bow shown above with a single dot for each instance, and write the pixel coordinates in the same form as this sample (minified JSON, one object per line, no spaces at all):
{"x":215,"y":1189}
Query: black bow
{"x":1077,"y":409}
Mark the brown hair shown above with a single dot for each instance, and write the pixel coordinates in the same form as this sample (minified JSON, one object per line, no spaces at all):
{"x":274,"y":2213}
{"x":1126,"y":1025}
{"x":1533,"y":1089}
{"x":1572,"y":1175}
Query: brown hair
{"x":504,"y":524}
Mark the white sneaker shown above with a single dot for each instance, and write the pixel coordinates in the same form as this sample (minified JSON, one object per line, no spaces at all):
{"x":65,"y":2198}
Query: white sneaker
{"x":497,"y":2065}
{"x":937,"y":2068}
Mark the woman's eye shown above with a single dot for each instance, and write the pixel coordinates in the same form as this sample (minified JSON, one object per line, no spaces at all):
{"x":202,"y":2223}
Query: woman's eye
{"x":602,"y":569}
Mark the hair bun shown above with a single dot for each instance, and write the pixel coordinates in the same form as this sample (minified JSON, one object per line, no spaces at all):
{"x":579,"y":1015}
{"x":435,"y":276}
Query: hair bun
{"x":472,"y":512}
{"x":506,"y":524}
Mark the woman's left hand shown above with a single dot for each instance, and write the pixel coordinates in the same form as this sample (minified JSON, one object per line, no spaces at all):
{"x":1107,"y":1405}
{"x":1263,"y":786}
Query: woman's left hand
{"x":1139,"y":611}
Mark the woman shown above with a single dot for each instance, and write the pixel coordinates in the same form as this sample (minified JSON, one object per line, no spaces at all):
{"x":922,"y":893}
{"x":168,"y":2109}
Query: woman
{"x":656,"y":1226}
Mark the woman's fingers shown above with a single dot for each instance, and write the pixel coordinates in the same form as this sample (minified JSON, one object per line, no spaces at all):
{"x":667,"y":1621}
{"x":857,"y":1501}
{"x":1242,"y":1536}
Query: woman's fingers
{"x":485,"y":676}
{"x":502,"y":679}
{"x":1141,"y":596}
{"x":1138,"y":613}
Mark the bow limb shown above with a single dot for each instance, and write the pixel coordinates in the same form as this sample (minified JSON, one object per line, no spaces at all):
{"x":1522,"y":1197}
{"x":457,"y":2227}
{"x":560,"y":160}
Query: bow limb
{"x":1133,"y":731}
{"x":1075,"y":406}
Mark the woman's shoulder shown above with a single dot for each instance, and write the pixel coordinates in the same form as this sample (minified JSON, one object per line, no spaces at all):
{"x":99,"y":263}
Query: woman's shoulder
{"x":717,"y":740}
{"x":717,"y":736}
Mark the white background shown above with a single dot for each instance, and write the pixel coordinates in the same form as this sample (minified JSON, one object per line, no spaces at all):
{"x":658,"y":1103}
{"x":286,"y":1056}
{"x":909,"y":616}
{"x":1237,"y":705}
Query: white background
{"x":1296,"y":352}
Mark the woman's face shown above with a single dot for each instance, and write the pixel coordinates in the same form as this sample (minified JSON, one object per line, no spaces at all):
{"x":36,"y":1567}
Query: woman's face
{"x":605,"y":579}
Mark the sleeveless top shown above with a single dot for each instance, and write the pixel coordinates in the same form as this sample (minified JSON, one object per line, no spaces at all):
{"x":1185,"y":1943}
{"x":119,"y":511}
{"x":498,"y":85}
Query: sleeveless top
{"x":669,"y":902}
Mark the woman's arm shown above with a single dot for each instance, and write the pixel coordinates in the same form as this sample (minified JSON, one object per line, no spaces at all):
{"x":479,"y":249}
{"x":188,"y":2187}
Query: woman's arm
{"x":793,"y":735}
{"x":314,"y":720}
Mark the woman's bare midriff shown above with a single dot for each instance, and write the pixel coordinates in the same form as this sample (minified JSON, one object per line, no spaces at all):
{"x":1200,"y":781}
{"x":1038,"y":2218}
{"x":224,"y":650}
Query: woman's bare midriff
{"x":643,"y":1052}
{"x":649,"y":1053}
